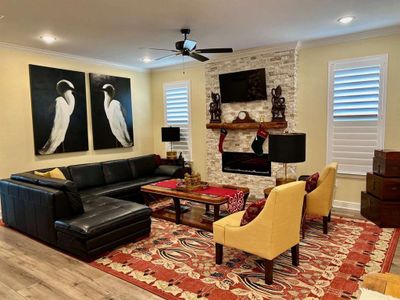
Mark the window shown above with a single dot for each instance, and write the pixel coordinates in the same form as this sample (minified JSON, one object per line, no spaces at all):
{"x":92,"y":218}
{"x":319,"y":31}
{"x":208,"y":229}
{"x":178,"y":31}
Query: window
{"x":177,"y":113}
{"x":356,"y":107}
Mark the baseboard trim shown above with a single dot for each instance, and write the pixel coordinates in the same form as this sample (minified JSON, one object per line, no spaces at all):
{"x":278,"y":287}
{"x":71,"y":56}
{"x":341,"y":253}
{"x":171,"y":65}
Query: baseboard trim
{"x":346,"y":205}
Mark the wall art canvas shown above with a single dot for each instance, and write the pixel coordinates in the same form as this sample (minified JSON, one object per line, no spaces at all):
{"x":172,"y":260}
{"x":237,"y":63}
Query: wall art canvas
{"x":111,"y":105}
{"x":58,"y":110}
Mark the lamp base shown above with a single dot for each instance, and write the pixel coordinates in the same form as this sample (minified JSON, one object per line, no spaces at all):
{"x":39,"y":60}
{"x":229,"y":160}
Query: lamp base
{"x":172,"y":155}
{"x":280,"y":181}
{"x":285,"y":174}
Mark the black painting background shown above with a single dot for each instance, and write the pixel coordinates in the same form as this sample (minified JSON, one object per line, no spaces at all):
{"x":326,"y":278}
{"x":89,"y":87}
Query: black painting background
{"x":43,"y":82}
{"x":102,"y":135}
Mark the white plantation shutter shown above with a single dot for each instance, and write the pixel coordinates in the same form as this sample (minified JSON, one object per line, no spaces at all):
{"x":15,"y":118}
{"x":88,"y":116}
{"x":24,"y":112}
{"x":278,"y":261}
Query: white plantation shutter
{"x":356,"y":112}
{"x":177,"y":113}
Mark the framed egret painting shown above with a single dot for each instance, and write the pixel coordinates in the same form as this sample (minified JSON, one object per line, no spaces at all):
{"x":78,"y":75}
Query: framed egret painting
{"x":58,"y":110}
{"x":111,"y":105}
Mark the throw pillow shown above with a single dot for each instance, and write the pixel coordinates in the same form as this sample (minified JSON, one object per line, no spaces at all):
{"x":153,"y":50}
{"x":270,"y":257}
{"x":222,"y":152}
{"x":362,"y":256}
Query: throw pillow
{"x":55,"y":173}
{"x":252,"y":211}
{"x":311,"y":182}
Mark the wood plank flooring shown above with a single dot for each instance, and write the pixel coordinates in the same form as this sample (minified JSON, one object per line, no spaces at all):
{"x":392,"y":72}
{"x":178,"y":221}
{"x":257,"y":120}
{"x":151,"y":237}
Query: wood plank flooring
{"x":31,"y":270}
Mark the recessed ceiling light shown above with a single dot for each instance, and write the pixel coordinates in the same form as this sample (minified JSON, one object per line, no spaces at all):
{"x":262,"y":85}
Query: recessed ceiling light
{"x":147,"y":60}
{"x":346,"y":19}
{"x":48,"y":39}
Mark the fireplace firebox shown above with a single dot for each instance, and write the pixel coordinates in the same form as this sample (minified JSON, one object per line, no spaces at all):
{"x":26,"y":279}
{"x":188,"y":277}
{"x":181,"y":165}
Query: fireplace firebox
{"x":246,"y":163}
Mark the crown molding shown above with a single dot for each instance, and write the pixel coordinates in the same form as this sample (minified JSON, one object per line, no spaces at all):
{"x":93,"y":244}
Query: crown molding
{"x":385,"y":31}
{"x":84,"y":59}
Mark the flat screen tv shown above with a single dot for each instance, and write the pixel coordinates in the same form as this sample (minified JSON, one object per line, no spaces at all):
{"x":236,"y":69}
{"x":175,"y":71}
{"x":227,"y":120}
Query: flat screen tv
{"x":243,"y":86}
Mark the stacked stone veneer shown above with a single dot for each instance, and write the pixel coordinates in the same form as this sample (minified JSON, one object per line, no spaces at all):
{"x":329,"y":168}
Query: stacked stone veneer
{"x":280,"y":66}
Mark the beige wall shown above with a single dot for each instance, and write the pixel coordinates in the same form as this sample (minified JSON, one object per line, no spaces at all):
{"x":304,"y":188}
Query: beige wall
{"x":16,"y":132}
{"x":312,"y":102}
{"x":197,"y":109}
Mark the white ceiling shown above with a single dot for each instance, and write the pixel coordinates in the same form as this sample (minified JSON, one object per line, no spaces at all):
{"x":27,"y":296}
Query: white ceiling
{"x":119,"y":31}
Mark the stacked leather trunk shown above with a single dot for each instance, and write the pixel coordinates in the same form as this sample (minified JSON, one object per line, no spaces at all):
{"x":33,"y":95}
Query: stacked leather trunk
{"x":381,"y":202}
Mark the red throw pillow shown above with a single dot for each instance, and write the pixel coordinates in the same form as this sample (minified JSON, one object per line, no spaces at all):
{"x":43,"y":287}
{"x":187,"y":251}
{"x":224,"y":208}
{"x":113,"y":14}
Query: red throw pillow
{"x":252,"y":212}
{"x":311,"y":182}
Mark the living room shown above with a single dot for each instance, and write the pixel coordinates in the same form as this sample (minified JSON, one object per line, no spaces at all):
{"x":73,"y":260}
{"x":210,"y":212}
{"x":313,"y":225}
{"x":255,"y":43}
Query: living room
{"x":91,"y":52}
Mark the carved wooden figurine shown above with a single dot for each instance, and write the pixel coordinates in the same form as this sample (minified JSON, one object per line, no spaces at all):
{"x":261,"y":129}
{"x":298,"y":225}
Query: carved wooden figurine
{"x":215,"y":108}
{"x":278,"y":104}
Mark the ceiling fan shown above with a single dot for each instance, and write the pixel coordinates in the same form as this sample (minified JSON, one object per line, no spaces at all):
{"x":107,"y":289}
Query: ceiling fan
{"x":188,"y":48}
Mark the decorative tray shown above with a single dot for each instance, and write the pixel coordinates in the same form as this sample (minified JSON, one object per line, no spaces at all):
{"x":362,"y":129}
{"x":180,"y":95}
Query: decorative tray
{"x":181,"y":186}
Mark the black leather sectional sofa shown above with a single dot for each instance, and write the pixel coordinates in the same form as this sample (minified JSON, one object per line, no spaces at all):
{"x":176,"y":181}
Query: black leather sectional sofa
{"x":97,"y":207}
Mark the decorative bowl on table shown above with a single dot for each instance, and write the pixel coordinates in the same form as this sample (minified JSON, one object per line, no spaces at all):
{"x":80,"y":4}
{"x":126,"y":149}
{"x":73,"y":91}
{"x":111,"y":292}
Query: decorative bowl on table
{"x":184,"y":187}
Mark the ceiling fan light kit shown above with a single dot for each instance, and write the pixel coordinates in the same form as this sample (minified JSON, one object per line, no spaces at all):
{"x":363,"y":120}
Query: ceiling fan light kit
{"x":187,"y":47}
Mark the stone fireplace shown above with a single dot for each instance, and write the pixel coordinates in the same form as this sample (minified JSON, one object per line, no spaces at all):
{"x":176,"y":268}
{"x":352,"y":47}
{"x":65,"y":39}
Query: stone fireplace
{"x":280,"y":66}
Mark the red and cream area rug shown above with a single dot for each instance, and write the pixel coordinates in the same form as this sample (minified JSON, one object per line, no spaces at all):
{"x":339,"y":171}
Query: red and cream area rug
{"x":177,"y":262}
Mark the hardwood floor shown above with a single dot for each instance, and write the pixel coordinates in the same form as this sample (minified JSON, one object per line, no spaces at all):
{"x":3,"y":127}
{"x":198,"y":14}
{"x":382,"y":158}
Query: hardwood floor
{"x":31,"y":270}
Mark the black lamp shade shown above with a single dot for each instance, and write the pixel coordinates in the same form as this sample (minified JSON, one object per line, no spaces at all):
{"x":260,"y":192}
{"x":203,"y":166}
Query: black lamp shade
{"x":287,"y":147}
{"x":170,"y":134}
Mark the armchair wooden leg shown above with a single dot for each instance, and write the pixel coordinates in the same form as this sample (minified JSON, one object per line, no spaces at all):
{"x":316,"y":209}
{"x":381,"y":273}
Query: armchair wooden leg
{"x":325,"y":223}
{"x":218,"y":253}
{"x":295,"y":255}
{"x":329,"y":216}
{"x":269,"y":266}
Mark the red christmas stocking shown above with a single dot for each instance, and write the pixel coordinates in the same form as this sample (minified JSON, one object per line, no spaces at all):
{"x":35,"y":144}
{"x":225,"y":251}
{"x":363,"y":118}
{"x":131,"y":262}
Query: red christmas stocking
{"x":223,"y":133}
{"x":258,"y":142}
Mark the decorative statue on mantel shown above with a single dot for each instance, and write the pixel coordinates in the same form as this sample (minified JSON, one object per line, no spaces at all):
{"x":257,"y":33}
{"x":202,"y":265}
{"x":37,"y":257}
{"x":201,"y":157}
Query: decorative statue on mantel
{"x":278,"y":104}
{"x":215,"y":108}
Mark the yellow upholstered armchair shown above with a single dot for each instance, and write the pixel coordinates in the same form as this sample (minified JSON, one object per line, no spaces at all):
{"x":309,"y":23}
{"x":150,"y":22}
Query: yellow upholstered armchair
{"x":272,"y":232}
{"x":319,"y":201}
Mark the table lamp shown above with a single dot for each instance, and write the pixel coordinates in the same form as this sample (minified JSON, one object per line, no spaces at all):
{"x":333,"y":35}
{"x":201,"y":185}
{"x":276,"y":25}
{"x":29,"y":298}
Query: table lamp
{"x":286,"y":148}
{"x":170,"y":134}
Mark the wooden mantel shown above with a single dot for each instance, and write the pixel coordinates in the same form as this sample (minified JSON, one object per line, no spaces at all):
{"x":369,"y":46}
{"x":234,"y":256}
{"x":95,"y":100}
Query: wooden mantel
{"x":253,"y":125}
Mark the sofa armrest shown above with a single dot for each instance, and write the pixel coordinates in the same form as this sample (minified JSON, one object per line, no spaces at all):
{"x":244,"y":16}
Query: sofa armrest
{"x":33,"y":209}
{"x":65,"y":185}
{"x":169,"y":170}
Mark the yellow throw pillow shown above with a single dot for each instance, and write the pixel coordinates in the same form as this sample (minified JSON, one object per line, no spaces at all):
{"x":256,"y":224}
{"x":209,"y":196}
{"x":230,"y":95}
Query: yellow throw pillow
{"x":44,"y":174}
{"x":55,"y":173}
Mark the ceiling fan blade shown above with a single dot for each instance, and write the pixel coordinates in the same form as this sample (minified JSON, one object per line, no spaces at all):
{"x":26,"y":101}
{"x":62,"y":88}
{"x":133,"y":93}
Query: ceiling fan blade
{"x":169,"y":55}
{"x":215,"y":50}
{"x":162,"y":49}
{"x":189,"y":44}
{"x":198,"y":56}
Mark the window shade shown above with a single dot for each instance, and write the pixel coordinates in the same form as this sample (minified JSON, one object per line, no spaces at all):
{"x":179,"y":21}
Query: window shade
{"x":176,"y":97}
{"x":355,"y":127}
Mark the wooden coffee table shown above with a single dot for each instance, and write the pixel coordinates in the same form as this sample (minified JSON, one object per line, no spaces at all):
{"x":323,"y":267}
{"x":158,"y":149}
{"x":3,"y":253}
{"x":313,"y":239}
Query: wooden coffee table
{"x":196,"y":196}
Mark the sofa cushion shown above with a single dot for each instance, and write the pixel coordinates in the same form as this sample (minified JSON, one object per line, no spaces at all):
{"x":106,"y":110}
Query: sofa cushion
{"x":106,"y":215}
{"x":121,"y":188}
{"x":143,"y":166}
{"x":87,"y":175}
{"x":116,"y":171}
{"x":168,"y":170}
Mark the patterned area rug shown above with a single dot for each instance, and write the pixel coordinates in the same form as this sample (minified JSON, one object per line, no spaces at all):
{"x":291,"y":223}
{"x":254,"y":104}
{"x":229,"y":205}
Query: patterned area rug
{"x":177,"y":262}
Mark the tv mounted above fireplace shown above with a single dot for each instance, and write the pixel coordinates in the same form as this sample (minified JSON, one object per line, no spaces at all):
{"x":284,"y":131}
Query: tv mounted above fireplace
{"x":243,"y":86}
